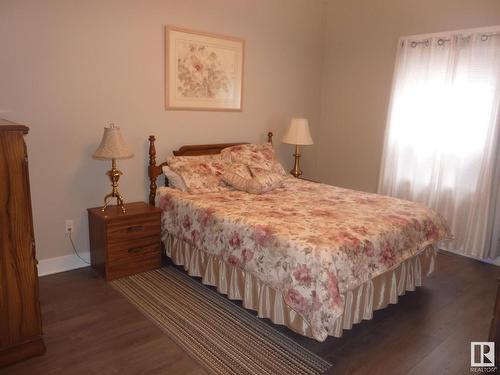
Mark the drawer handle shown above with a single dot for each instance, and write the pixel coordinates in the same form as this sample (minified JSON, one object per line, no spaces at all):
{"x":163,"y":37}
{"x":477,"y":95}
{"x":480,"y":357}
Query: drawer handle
{"x":136,"y":228}
{"x":135,"y":250}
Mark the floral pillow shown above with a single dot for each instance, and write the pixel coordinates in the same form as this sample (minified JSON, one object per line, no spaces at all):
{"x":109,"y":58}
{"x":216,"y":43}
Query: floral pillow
{"x":175,"y":160}
{"x":253,"y":155}
{"x":203,"y":174}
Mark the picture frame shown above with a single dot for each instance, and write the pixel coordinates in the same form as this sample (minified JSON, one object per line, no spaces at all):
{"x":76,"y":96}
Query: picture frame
{"x":203,"y":71}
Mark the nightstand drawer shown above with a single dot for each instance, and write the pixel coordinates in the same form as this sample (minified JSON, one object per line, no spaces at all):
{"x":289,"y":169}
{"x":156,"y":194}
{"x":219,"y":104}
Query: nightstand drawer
{"x":127,"y":250}
{"x":138,"y":227}
{"x":136,"y":264}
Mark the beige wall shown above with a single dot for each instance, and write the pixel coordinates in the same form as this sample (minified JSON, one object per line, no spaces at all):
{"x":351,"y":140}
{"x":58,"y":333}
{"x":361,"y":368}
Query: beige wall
{"x":360,"y":47}
{"x":67,"y":68}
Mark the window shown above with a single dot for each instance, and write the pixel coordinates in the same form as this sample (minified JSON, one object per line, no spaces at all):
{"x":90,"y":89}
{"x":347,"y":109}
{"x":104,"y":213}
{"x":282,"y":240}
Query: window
{"x":442,"y":132}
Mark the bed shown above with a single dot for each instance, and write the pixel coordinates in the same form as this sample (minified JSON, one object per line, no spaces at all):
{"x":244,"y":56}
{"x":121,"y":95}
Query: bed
{"x":313,"y":257}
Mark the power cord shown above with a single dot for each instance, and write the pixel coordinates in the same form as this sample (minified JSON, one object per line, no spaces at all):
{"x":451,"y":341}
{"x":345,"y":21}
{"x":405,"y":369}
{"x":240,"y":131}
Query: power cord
{"x":74,"y":247}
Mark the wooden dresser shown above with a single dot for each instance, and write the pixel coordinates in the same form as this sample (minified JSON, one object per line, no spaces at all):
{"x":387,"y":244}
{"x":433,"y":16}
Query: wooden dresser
{"x":20,"y":319}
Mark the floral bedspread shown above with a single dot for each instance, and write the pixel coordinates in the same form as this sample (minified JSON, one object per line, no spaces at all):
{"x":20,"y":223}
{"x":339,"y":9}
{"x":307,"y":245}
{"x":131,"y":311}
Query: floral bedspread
{"x":310,"y":241}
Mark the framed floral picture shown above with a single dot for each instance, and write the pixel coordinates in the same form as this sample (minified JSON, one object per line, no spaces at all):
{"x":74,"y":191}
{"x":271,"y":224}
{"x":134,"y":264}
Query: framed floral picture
{"x":203,"y":71}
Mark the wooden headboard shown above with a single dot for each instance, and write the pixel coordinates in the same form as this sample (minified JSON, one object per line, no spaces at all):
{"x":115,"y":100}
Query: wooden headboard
{"x":155,"y":170}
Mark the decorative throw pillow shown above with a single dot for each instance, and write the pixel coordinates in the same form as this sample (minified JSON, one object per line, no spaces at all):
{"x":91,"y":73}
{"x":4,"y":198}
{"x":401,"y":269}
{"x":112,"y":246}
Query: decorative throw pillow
{"x":249,"y":185}
{"x":262,"y":182}
{"x":269,"y":180}
{"x":253,"y":155}
{"x":174,"y":179}
{"x":240,"y":169}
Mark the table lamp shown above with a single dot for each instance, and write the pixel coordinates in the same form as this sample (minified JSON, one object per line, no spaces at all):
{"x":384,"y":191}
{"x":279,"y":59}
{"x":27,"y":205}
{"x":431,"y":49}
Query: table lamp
{"x":113,"y":147}
{"x":298,"y":134}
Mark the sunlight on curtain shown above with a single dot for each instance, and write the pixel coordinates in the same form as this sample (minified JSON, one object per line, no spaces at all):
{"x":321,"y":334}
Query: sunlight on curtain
{"x":442,"y":133}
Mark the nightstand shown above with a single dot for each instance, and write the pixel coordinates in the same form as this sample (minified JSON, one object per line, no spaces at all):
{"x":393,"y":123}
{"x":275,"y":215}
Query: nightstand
{"x":122,"y":244}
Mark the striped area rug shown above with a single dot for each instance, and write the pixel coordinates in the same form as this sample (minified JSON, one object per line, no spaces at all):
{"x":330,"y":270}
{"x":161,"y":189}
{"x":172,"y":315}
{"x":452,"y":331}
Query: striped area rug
{"x":221,"y":336}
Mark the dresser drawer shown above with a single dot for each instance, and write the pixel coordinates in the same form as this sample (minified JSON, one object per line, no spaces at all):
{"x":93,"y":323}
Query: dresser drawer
{"x":137,"y":227}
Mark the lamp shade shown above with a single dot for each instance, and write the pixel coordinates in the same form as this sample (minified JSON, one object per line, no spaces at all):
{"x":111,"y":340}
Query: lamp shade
{"x":112,"y":145}
{"x":298,"y":132}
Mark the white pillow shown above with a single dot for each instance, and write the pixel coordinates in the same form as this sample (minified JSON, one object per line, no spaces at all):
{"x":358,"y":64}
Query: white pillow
{"x":174,"y":179}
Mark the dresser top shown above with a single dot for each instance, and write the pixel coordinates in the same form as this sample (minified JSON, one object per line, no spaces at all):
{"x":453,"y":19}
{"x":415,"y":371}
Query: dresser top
{"x":6,"y":126}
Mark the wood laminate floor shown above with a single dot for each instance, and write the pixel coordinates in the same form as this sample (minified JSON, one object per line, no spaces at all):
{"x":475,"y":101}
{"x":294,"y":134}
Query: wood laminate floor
{"x":91,"y":329}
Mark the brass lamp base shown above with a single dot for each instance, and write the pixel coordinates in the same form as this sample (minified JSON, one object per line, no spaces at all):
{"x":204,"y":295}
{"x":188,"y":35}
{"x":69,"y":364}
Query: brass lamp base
{"x":114,"y":175}
{"x":296,"y":171}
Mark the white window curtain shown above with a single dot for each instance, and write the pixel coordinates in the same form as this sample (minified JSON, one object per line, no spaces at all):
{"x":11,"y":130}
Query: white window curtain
{"x":442,"y":134}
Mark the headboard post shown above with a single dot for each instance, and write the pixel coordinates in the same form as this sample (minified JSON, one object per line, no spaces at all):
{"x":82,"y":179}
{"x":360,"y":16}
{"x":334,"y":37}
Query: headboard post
{"x":270,"y":137}
{"x":151,"y":170}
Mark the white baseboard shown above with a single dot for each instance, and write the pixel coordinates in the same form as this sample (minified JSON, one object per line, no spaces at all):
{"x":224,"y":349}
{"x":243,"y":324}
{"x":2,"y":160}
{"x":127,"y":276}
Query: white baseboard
{"x":62,"y":264}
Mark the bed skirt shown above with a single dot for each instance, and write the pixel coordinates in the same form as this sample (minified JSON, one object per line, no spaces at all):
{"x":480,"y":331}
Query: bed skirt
{"x":269,"y":303}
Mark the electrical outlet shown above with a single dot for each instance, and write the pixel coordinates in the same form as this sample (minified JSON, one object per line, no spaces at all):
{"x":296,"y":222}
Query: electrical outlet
{"x":69,"y":226}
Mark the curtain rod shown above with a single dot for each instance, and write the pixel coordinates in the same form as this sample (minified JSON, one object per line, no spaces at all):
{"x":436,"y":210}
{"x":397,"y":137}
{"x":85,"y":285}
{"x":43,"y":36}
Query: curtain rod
{"x":476,"y":30}
{"x":486,"y":36}
{"x":441,"y":41}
